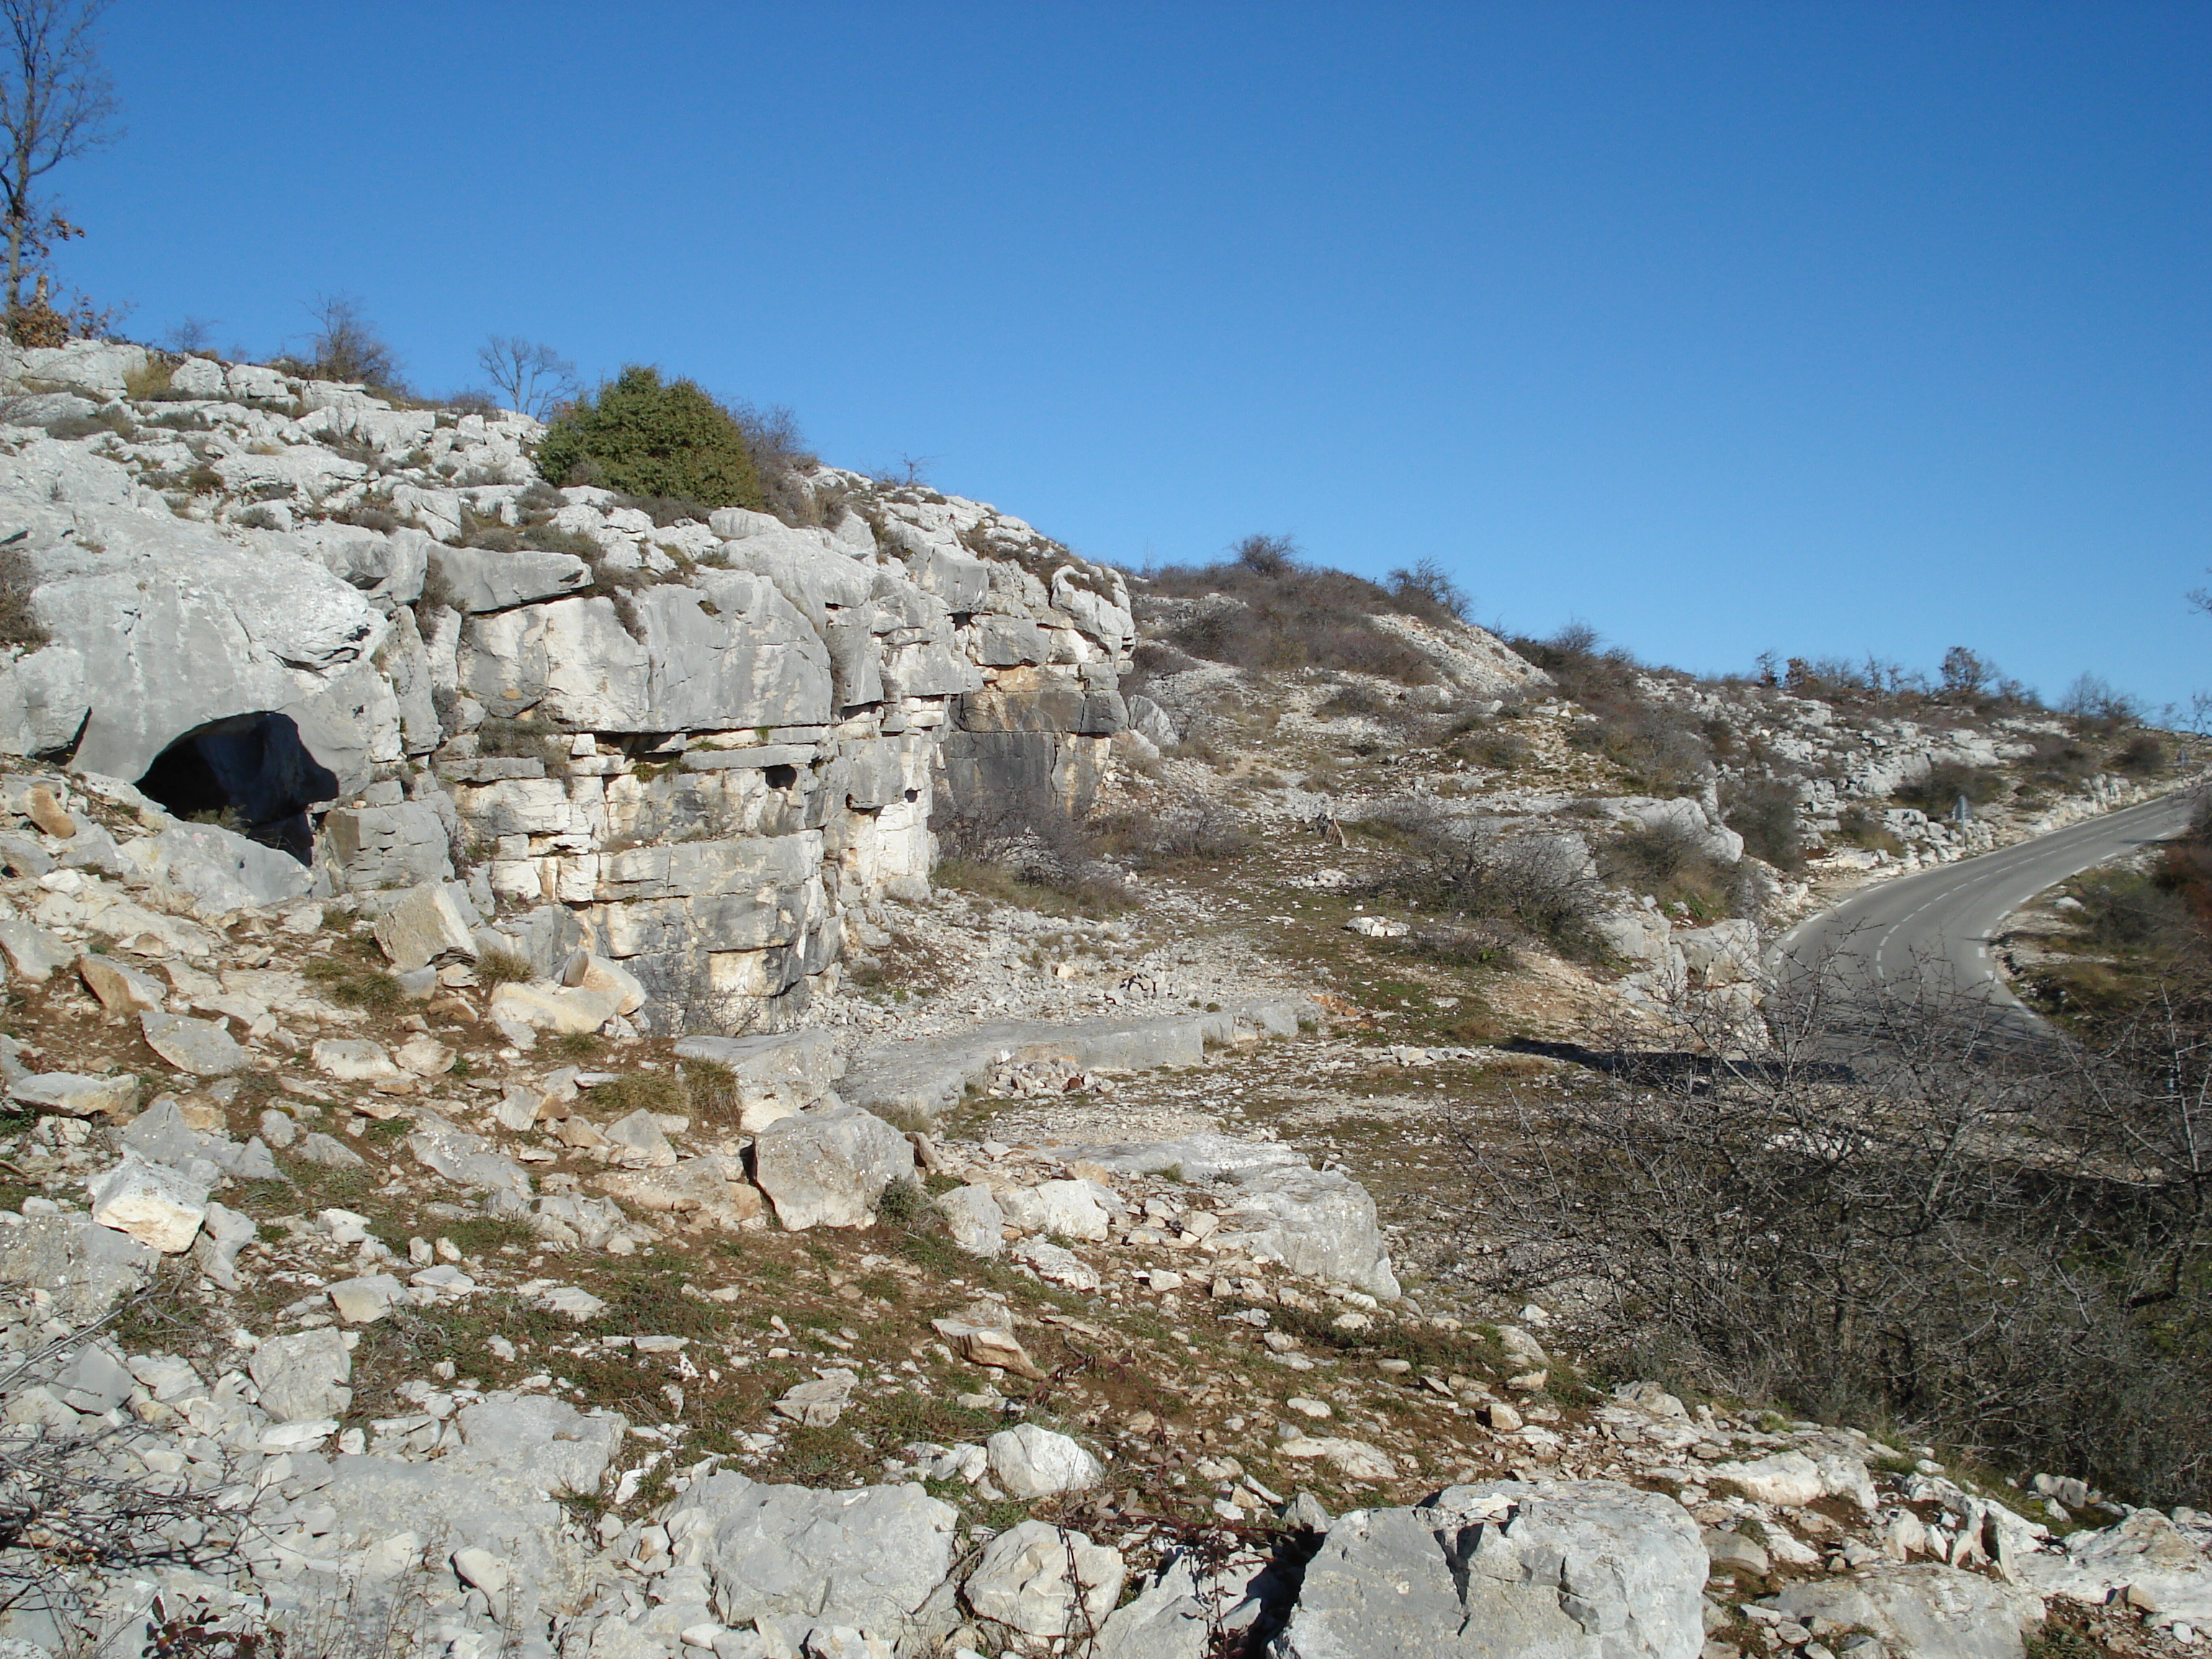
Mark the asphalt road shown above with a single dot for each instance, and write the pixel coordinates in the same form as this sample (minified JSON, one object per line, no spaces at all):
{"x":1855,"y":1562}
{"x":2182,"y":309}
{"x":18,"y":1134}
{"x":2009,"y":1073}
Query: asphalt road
{"x":1945,"y":919}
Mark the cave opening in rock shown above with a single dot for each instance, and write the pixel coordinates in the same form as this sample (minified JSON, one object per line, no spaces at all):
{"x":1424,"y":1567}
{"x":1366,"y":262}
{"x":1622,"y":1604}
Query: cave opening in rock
{"x":249,"y":773}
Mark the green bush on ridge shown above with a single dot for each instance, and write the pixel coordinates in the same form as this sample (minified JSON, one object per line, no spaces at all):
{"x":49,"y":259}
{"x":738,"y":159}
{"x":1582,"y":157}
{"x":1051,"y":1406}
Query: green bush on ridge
{"x":646,"y":436}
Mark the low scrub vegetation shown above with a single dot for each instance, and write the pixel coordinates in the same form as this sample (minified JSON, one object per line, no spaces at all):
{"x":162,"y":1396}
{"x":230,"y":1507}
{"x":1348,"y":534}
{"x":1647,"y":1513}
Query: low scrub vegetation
{"x":1947,"y":783}
{"x":1267,"y":608}
{"x":1459,"y":874}
{"x":1022,"y":849}
{"x":1888,"y":1216}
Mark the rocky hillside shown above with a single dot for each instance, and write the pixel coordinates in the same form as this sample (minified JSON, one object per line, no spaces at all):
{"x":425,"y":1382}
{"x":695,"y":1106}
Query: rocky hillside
{"x":522,"y":1139}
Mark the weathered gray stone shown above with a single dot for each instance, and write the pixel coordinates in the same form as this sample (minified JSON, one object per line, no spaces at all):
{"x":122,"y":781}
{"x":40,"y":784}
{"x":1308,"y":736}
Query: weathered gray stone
{"x":73,"y":1095}
{"x":553,"y":1008}
{"x":2145,"y":1557}
{"x":371,"y":848}
{"x":224,"y":1232}
{"x":712,"y":1188}
{"x":33,"y":952}
{"x":496,"y":1491}
{"x":44,"y":700}
{"x":352,"y":1060}
{"x":464,"y":1159}
{"x":476,"y":579}
{"x":1547,"y":1570}
{"x":367,"y":1298}
{"x":866,"y":1558}
{"x":975,"y":1220}
{"x":1045,"y":1581}
{"x":753,"y":662}
{"x":303,"y":1376}
{"x":1321,"y":1225}
{"x":1029,"y":1462}
{"x":94,"y":1380}
{"x":1927,"y":1610}
{"x":84,"y":1266}
{"x":1070,"y":1208}
{"x":221,"y":871}
{"x":329,"y":1151}
{"x":159,"y":1207}
{"x":198,"y":1046}
{"x":426,"y":923}
{"x":122,"y":989}
{"x":1164,"y":1620}
{"x":641,"y":1134}
{"x":1318,"y":1223}
{"x":829,"y":1169}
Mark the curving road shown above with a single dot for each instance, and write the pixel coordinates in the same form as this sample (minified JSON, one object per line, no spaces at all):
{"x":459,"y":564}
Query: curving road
{"x":1949,"y":914}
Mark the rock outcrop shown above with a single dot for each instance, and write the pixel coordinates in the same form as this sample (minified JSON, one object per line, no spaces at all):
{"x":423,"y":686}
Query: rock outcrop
{"x":706,"y":743}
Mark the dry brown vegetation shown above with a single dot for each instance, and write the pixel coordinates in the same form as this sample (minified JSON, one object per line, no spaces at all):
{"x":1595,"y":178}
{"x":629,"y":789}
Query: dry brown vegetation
{"x":1890,"y":1210}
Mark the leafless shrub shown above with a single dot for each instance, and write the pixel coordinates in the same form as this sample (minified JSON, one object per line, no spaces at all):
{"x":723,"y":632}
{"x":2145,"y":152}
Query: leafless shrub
{"x":1424,"y":589}
{"x":1468,"y":870}
{"x":345,"y":345}
{"x":63,"y":1505}
{"x":1892,"y":1207}
{"x":1021,"y":840}
{"x":1204,"y":829}
{"x":529,"y":374}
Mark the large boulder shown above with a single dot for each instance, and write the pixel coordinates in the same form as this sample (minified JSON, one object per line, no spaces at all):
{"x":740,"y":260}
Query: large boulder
{"x":829,"y":1169}
{"x":1044,"y":1580}
{"x":1029,"y":1462}
{"x":498,"y":1490}
{"x":1927,"y":1610}
{"x":370,"y":848}
{"x":1319,"y":1224}
{"x":1545,"y":1570}
{"x":866,"y":1558}
{"x":161,"y":1207}
{"x":973,"y":1218}
{"x":1070,"y":1209}
{"x":426,"y":923}
{"x":220,"y":870}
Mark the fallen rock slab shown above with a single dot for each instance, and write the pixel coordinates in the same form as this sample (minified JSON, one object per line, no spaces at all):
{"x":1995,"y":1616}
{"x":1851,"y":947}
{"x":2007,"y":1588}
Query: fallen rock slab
{"x":1506,"y":1567}
{"x":1927,"y":1610}
{"x":74,"y":1095}
{"x":552,"y":1008}
{"x":867,"y":1558}
{"x":198,"y":1046}
{"x":425,"y":923}
{"x":928,"y":1076}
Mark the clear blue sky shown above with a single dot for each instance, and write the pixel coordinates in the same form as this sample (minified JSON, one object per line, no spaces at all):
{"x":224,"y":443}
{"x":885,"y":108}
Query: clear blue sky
{"x":1826,"y":328}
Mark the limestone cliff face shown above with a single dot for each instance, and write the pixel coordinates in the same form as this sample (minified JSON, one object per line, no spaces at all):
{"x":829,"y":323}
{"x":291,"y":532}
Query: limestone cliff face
{"x":693,"y":748}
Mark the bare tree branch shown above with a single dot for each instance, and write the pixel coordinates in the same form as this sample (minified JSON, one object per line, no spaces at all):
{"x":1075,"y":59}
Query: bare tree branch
{"x":55,"y":103}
